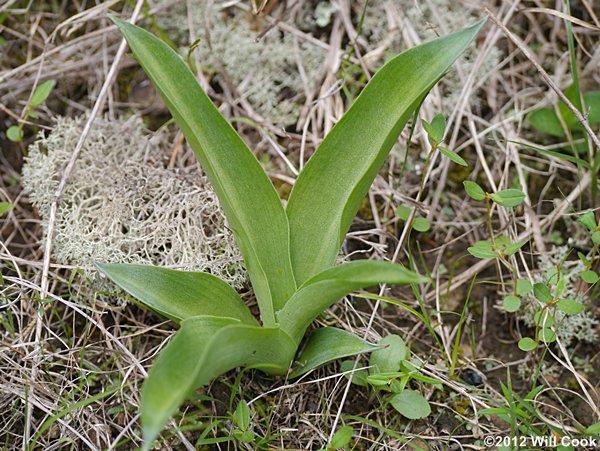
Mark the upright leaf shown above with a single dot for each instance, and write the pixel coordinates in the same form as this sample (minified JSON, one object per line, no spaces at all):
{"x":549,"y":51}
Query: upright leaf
{"x":179,"y":294}
{"x":250,"y":202}
{"x":326,"y":288}
{"x":203,"y":349}
{"x":329,"y":190}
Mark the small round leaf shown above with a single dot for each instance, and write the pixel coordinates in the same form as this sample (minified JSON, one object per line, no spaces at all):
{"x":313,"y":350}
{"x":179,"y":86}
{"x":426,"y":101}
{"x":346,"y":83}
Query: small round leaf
{"x":421,"y":225}
{"x":511,"y":303}
{"x":590,"y":276}
{"x":14,"y":133}
{"x":527,"y":344}
{"x":524,"y":287}
{"x":411,"y":404}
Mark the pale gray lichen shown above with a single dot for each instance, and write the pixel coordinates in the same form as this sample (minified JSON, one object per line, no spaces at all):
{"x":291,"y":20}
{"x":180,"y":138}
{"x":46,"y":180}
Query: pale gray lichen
{"x":264,"y":69}
{"x":122,"y":204}
{"x":429,"y":19}
{"x":569,"y":328}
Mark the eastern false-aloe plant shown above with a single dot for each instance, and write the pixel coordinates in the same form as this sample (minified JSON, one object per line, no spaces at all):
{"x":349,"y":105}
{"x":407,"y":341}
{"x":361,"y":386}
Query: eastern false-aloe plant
{"x":290,"y":252}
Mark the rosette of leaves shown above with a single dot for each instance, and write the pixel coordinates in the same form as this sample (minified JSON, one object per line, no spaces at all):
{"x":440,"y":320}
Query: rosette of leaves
{"x":289,"y":253}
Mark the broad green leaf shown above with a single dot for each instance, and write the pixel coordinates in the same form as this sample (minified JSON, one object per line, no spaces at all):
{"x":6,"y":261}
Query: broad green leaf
{"x":589,"y":220}
{"x":179,"y":294}
{"x":482,"y":249}
{"x":5,"y":207}
{"x":524,"y":287}
{"x":511,"y":303}
{"x":326,"y":288}
{"x":41,"y":93}
{"x":596,"y":237}
{"x":342,"y":437}
{"x":546,"y":121}
{"x":590,"y":276}
{"x":329,"y":190}
{"x":327,"y":344}
{"x":570,"y":307}
{"x":473,"y":190}
{"x":14,"y":133}
{"x":453,"y":156}
{"x":508,"y":197}
{"x":358,"y":376}
{"x":542,"y":292}
{"x":241,"y":416}
{"x":249,"y":200}
{"x":388,"y":358}
{"x":527,"y":344}
{"x":204,"y":348}
{"x":411,"y":404}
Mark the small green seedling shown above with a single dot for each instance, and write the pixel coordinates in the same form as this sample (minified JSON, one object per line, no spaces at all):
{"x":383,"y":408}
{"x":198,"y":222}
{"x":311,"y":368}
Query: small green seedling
{"x":15,"y":132}
{"x":289,"y":253}
{"x":495,"y":247}
{"x":390,"y":370}
{"x":508,"y":198}
{"x":550,"y":299}
{"x":436,"y":129}
{"x":241,"y":418}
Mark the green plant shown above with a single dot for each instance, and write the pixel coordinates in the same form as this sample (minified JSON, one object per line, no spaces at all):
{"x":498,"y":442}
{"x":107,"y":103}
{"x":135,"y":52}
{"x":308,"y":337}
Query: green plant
{"x":391,"y":370}
{"x":289,"y":253}
{"x":555,"y":304}
{"x":496,"y":247}
{"x":15,"y":132}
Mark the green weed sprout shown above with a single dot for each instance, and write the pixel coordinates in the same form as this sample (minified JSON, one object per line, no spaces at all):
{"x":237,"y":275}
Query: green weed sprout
{"x":289,"y":253}
{"x":15,"y":132}
{"x":390,"y":370}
